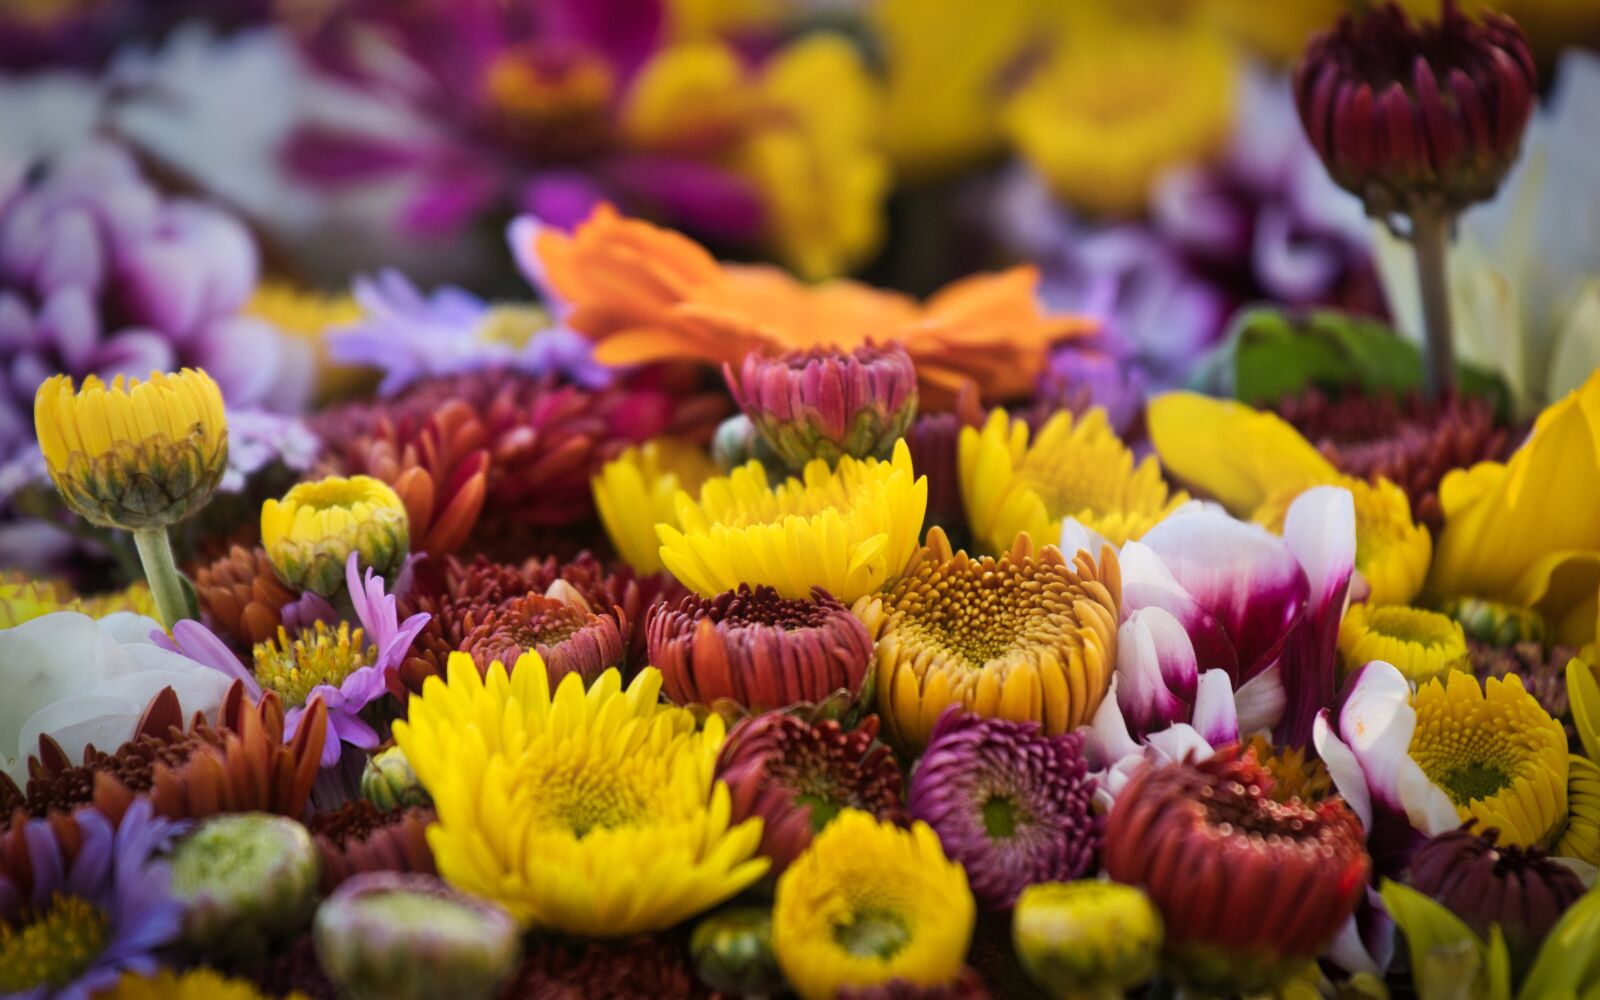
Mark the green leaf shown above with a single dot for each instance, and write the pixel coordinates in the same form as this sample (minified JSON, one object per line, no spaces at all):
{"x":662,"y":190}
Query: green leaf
{"x":1448,"y":961}
{"x":1569,"y":961}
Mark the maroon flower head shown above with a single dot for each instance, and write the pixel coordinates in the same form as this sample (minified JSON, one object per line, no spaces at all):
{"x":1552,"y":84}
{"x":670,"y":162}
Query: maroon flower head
{"x":570,"y":638}
{"x":797,"y":775}
{"x":1249,"y":888}
{"x":1013,"y":805}
{"x":359,"y":837}
{"x":758,"y":650}
{"x":1485,"y":884}
{"x":1408,"y":114}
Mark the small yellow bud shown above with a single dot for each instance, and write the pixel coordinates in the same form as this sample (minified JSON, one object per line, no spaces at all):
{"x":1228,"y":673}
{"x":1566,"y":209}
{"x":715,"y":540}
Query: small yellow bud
{"x":134,"y":454}
{"x":311,"y":532}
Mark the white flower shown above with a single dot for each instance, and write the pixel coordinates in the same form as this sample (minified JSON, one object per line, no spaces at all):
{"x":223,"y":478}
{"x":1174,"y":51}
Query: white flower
{"x":83,"y":681}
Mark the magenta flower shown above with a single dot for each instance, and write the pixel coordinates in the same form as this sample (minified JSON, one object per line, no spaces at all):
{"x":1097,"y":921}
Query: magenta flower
{"x":1012,"y":805}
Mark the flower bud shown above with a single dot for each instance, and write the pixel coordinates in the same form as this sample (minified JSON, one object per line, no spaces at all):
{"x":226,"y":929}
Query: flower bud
{"x":732,"y":952}
{"x":1407,"y":114}
{"x":401,"y":936}
{"x":1086,"y":938}
{"x":244,"y":879}
{"x":389,"y":783}
{"x":1495,"y":624}
{"x":737,"y":441}
{"x":827,"y":404}
{"x":135,"y":454}
{"x":311,"y":532}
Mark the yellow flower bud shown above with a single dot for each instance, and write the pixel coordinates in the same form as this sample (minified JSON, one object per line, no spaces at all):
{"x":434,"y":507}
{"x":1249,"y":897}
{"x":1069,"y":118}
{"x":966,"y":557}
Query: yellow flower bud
{"x":310,"y":533}
{"x":135,"y":454}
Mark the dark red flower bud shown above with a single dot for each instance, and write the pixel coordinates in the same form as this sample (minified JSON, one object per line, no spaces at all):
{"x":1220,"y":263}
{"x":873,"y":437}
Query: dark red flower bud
{"x":1408,"y":114}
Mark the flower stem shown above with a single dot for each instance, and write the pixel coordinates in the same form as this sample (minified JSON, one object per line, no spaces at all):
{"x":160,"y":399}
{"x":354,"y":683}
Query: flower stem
{"x":166,"y":586}
{"x":1430,"y":241}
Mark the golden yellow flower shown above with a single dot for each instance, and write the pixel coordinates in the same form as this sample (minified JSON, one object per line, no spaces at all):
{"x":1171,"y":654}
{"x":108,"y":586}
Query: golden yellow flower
{"x":592,"y":813}
{"x":197,"y":984}
{"x":1581,"y":838}
{"x":308,"y":316}
{"x":635,"y":491}
{"x":311,"y":532}
{"x":1028,"y":636}
{"x":1072,"y":468}
{"x":1524,"y":532}
{"x":1118,"y":102}
{"x":1496,"y":753}
{"x":134,"y":454}
{"x":869,"y":902}
{"x":1392,"y":551}
{"x":1420,"y":644}
{"x":849,"y":530}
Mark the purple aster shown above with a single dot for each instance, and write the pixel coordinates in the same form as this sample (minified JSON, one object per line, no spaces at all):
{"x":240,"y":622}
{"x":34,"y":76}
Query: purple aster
{"x":101,"y":274}
{"x":410,"y":336}
{"x":1012,"y":805}
{"x":82,"y":909}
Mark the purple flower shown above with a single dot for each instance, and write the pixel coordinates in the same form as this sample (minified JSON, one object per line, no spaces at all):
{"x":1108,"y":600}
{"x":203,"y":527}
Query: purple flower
{"x":1012,"y":805}
{"x":410,"y":336}
{"x":103,"y":903}
{"x":257,"y":438}
{"x":100,"y":274}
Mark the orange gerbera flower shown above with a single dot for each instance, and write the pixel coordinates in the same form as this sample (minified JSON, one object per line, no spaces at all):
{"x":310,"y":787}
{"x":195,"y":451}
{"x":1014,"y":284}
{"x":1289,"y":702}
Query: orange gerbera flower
{"x":645,"y":294}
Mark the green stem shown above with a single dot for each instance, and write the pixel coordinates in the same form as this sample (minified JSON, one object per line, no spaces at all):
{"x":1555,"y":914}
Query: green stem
{"x":1430,"y":241}
{"x":166,"y":585}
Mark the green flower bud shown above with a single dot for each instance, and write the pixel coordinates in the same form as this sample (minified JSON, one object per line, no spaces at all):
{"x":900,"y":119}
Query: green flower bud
{"x":389,"y":783}
{"x":1495,"y":624}
{"x":1086,"y":938}
{"x":394,"y":936}
{"x":245,"y":879}
{"x":732,"y":952}
{"x":310,"y":533}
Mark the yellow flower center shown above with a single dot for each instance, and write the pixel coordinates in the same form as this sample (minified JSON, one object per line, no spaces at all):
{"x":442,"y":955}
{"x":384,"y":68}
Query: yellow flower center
{"x":53,"y":948}
{"x":1496,"y":753}
{"x":300,"y":312}
{"x":514,"y":326}
{"x":872,"y":933}
{"x":319,"y":656}
{"x":1294,"y":775}
{"x":579,"y":795}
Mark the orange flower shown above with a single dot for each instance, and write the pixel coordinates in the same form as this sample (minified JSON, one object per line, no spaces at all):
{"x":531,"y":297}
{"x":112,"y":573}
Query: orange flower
{"x":646,"y":294}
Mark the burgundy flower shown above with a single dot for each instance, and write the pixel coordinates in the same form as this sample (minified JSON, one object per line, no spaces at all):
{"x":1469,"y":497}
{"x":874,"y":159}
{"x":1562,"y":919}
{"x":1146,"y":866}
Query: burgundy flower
{"x":1484,"y":884}
{"x":359,"y":837}
{"x":797,"y":775}
{"x":968,"y":987}
{"x":1413,"y":441}
{"x":826,"y":404}
{"x":569,"y":637}
{"x":1013,"y":805}
{"x":1407,"y":114}
{"x":757,"y":650}
{"x":1249,"y":888}
{"x":644,"y":968}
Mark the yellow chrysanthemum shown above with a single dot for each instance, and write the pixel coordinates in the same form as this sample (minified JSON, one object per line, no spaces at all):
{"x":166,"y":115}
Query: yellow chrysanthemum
{"x":198,"y":984}
{"x":1119,"y":102}
{"x":869,"y":902}
{"x":1028,"y":636}
{"x":592,"y":813}
{"x":307,"y":315}
{"x":849,"y":530}
{"x":22,"y":599}
{"x":1496,"y":753}
{"x":311,"y":532}
{"x":1392,"y":551}
{"x":1072,"y":468}
{"x":1421,"y":644}
{"x":133,"y":454}
{"x":1581,"y":838}
{"x":635,"y":491}
{"x":1583,"y":692}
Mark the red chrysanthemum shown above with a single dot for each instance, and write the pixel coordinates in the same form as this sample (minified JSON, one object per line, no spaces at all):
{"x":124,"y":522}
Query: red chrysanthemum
{"x":570,"y":638}
{"x":1249,"y":888}
{"x":757,"y":650}
{"x":797,"y":775}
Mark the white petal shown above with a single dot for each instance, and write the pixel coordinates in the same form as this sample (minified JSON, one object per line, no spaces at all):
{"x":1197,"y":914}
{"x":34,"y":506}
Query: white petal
{"x":1427,"y":806}
{"x":1216,"y":718}
{"x":44,"y":660}
{"x":129,"y":629}
{"x":1076,"y":537}
{"x":1349,"y":953}
{"x":1344,"y":769}
{"x":1377,"y":722}
{"x":1320,"y":529}
{"x":1260,"y":700}
{"x":1180,"y":742}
